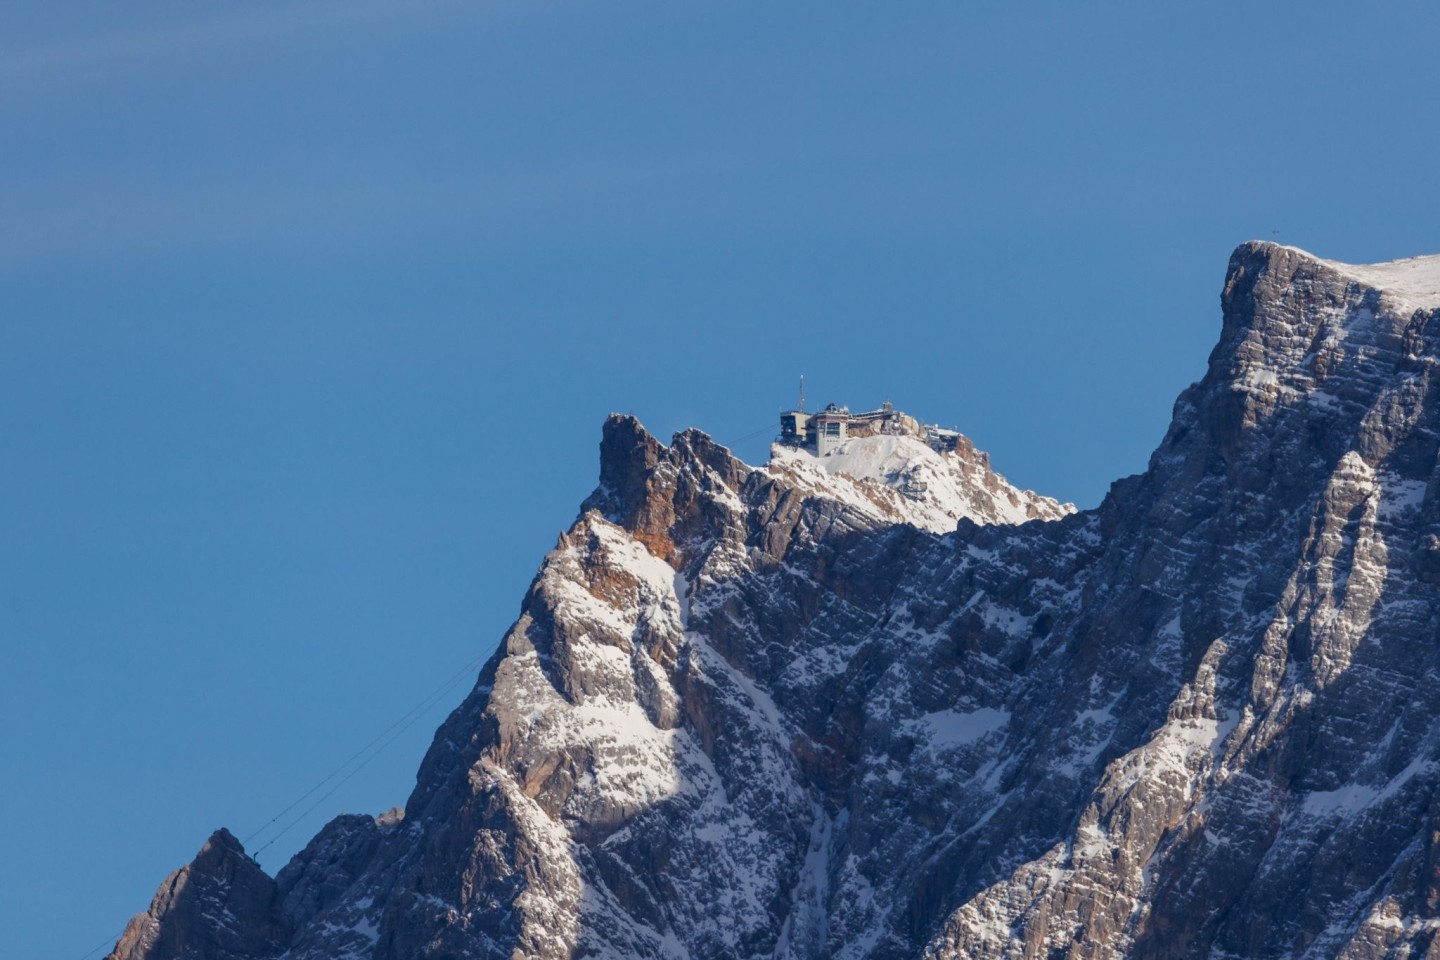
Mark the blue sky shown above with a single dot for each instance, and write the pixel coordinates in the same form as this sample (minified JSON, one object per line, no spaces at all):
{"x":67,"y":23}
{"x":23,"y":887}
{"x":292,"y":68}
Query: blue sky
{"x":310,"y":314}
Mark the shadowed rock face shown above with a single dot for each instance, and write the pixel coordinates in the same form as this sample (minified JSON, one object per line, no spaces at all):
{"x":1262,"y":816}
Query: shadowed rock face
{"x":766,"y":712}
{"x":220,"y":906}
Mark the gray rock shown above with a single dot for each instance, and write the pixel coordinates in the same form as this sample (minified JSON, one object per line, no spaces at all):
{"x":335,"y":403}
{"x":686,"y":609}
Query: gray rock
{"x":221,"y":906}
{"x":775,"y":712}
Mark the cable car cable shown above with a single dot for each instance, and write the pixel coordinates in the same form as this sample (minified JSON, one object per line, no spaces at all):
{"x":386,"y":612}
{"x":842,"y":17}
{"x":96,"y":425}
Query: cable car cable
{"x":422,"y":706}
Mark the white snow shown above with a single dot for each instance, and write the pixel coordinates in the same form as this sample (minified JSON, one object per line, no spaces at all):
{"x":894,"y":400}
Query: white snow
{"x":1350,"y":798}
{"x":902,"y":478}
{"x":1356,"y":797}
{"x":877,"y":458}
{"x":1416,"y":279}
{"x":1399,"y":496}
{"x":947,"y":729}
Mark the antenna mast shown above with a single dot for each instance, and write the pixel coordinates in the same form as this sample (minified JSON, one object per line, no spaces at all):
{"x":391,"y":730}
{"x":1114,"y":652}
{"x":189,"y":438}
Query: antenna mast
{"x":801,"y":408}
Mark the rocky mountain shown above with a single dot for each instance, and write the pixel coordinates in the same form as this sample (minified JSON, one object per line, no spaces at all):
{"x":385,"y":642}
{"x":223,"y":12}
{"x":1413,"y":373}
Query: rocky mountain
{"x":894,"y":708}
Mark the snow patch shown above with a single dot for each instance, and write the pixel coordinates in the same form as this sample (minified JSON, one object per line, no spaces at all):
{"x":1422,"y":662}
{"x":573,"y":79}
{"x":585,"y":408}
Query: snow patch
{"x":900,"y":478}
{"x":1416,"y":279}
{"x":949,"y":729}
{"x":1399,"y":496}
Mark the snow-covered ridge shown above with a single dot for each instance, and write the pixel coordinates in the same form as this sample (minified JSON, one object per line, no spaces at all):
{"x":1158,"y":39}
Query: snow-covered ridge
{"x":903,"y":478}
{"x":1415,"y":279}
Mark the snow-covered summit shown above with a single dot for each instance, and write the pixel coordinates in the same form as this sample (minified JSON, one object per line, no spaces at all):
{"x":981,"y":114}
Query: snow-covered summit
{"x":903,"y":478}
{"x":1414,"y":279}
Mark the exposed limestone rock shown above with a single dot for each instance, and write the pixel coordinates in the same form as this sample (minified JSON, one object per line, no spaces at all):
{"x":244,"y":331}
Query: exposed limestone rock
{"x":221,"y":906}
{"x":899,"y":708}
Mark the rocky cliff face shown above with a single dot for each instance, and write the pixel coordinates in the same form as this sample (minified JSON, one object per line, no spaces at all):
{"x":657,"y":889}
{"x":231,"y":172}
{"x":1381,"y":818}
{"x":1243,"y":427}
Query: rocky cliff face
{"x":219,"y":906}
{"x":900,"y":709}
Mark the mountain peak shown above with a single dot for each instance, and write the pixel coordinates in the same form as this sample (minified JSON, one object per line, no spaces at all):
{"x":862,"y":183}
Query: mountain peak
{"x":1416,"y":279}
{"x":219,"y":905}
{"x":1312,"y":345}
{"x":768,"y":712}
{"x":1412,"y":280}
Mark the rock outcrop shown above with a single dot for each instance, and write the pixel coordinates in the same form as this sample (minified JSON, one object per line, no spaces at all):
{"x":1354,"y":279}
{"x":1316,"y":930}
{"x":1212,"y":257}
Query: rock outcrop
{"x":221,"y":906}
{"x":901,"y":709}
